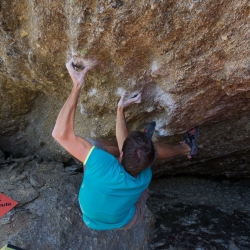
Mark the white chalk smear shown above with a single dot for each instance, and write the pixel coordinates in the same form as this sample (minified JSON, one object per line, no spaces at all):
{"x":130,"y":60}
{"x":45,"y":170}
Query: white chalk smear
{"x":154,"y":66}
{"x":191,"y":6}
{"x":92,"y":92}
{"x":149,"y":109}
{"x":158,"y":128}
{"x":82,"y":109}
{"x":120,"y":91}
{"x":131,"y":81}
{"x":165,"y":100}
{"x":92,"y":135}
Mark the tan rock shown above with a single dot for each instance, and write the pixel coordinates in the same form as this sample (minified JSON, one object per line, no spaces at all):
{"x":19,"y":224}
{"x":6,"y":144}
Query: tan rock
{"x":23,"y":33}
{"x":202,"y":75}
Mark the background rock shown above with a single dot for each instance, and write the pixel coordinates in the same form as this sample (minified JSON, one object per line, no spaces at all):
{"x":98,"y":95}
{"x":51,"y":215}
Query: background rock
{"x":190,"y":59}
{"x":223,"y":151}
{"x":48,"y":215}
{"x":199,"y":213}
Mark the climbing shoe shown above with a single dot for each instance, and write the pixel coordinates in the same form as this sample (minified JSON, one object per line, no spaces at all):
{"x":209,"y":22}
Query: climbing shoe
{"x":191,"y":140}
{"x":149,"y":130}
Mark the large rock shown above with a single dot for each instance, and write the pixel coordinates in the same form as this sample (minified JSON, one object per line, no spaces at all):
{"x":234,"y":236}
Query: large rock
{"x":223,"y":151}
{"x":48,"y":215}
{"x":190,"y":59}
{"x":199,"y":213}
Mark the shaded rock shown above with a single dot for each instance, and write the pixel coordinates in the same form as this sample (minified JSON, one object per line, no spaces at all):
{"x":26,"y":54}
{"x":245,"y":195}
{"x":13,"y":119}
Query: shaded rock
{"x":197,"y":213}
{"x":232,"y":246}
{"x":36,"y":180}
{"x":223,"y":150}
{"x":74,"y":169}
{"x":2,"y":156}
{"x":48,"y":215}
{"x":14,"y":181}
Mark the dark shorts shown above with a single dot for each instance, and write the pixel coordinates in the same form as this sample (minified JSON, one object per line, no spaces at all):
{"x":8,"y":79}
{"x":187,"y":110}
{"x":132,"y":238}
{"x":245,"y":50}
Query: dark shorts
{"x":140,"y":208}
{"x":140,"y":204}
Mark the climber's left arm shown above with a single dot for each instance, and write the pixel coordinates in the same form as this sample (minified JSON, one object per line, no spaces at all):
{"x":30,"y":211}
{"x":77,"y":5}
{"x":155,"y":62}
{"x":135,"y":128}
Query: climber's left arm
{"x":121,"y":125}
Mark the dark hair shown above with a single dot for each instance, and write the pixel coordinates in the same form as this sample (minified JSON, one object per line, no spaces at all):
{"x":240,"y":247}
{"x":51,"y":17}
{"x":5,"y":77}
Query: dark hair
{"x":138,"y":152}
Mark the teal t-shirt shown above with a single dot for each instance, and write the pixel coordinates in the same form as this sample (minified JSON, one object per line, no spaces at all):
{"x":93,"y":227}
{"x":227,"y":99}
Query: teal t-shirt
{"x":108,"y":193}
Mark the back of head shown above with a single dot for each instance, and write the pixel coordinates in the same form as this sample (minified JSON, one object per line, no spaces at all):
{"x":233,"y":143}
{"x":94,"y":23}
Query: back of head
{"x":138,"y":152}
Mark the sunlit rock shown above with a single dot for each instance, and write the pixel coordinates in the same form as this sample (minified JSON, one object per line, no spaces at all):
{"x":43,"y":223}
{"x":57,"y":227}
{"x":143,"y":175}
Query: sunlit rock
{"x":189,"y":59}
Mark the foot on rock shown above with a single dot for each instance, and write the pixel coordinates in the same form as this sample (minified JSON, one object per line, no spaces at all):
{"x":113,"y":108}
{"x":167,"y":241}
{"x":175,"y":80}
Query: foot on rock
{"x":191,"y":140}
{"x":149,"y":130}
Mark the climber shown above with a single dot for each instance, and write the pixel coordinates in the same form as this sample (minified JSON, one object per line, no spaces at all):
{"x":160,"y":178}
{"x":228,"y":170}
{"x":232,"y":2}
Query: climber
{"x":113,"y":193}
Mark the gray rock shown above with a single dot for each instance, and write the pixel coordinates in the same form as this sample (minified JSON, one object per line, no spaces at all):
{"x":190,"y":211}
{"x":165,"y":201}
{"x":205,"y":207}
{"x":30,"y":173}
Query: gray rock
{"x":73,"y":168}
{"x":36,"y":180}
{"x":48,"y":215}
{"x":2,"y":155}
{"x":232,"y":246}
{"x":204,"y":214}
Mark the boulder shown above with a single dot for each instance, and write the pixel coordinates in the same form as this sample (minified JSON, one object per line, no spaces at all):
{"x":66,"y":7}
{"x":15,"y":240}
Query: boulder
{"x":190,"y":60}
{"x":48,"y":214}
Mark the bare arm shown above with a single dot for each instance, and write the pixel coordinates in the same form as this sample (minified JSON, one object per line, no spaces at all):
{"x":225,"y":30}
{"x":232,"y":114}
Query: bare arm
{"x":63,"y":131}
{"x":121,"y":126}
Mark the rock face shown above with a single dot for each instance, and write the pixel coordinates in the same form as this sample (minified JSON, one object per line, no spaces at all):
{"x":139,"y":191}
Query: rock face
{"x":48,"y":215}
{"x":190,"y":59}
{"x":223,"y":151}
{"x":197,"y":213}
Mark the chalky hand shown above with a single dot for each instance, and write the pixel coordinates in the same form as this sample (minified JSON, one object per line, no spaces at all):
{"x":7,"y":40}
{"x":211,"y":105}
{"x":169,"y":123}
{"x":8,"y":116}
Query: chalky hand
{"x":125,"y":103}
{"x":77,"y":76}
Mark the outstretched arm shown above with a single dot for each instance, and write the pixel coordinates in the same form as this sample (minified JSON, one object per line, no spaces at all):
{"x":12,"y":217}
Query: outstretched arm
{"x":121,"y":126}
{"x":64,"y":128}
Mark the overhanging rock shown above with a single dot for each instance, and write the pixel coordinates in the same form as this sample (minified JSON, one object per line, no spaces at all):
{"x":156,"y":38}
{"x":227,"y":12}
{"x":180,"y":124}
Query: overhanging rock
{"x":190,"y":59}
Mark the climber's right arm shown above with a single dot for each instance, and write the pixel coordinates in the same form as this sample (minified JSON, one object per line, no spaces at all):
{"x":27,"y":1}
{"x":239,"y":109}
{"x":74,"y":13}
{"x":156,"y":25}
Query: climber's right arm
{"x":63,"y":131}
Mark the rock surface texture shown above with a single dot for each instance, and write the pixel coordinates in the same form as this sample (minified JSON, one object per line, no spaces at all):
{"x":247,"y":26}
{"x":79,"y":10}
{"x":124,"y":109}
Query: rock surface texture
{"x":48,"y":214}
{"x":197,"y":213}
{"x":190,"y":59}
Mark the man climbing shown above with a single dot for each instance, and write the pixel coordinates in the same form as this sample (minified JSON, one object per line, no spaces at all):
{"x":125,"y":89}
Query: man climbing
{"x":113,"y":193}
